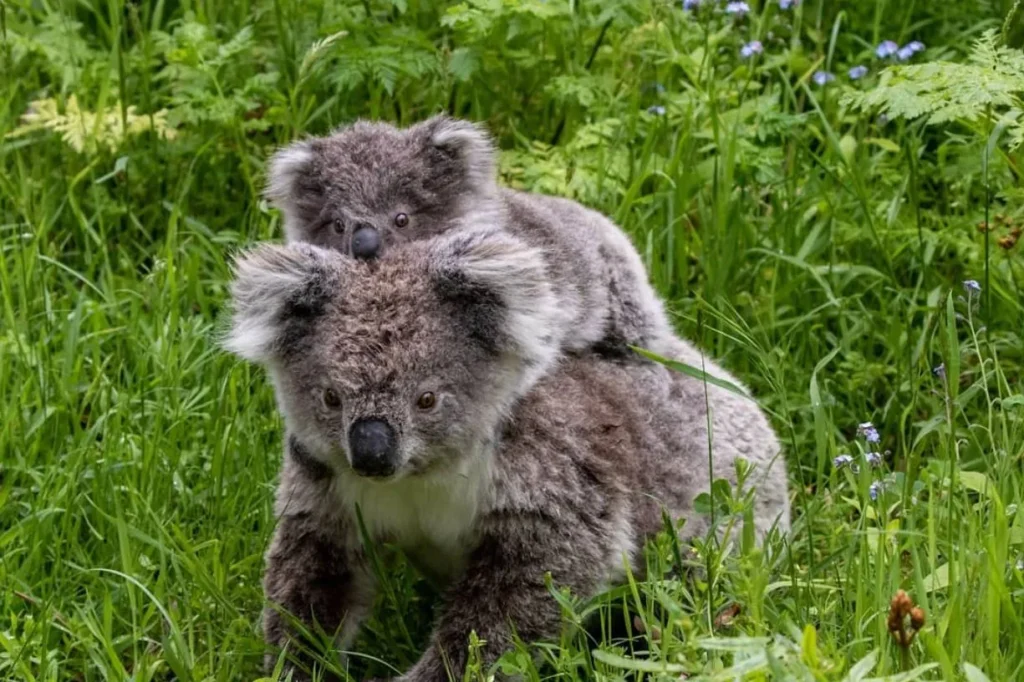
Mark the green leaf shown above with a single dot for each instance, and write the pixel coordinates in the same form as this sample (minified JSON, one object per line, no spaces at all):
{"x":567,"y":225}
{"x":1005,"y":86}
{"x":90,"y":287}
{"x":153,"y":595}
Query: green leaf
{"x":692,"y":371}
{"x":974,"y":674}
{"x":862,"y":667}
{"x":639,"y":665}
{"x":463,"y":63}
{"x":937,"y":579}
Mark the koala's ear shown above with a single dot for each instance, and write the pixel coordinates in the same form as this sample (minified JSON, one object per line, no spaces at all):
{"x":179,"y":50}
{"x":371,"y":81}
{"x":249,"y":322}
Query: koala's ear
{"x":274,"y":287}
{"x":289,"y":184}
{"x":502,"y":288}
{"x":467,"y":145}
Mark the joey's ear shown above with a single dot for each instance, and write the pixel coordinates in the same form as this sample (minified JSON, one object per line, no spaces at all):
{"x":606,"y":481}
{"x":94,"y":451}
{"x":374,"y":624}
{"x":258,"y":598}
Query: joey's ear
{"x":276,"y":287}
{"x":292,"y":187}
{"x":502,"y":288}
{"x":466,"y":146}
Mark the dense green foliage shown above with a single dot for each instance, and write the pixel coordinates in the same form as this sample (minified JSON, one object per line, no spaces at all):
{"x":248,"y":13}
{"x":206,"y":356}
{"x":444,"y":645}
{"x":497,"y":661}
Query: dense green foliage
{"x":813,"y":233}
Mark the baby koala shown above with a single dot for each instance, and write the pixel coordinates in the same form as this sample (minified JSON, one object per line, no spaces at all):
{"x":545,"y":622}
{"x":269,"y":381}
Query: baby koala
{"x":371,"y":186}
{"x":411,"y":400}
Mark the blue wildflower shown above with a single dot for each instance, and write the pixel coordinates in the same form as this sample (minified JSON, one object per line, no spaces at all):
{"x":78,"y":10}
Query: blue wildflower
{"x":737,"y":8}
{"x":873,"y":459}
{"x":971,"y":286}
{"x":858,"y":72}
{"x":822,"y":77}
{"x":691,"y":4}
{"x":842,"y":461}
{"x":786,"y":4}
{"x":656,"y":110}
{"x":751,"y":48}
{"x":940,"y":371}
{"x":875,"y":489}
{"x":886,"y":48}
{"x":904,"y":53}
{"x":914,"y":46}
{"x":869,"y":432}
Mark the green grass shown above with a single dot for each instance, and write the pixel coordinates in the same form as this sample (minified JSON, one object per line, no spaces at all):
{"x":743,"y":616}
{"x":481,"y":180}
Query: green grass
{"x":816,"y":250}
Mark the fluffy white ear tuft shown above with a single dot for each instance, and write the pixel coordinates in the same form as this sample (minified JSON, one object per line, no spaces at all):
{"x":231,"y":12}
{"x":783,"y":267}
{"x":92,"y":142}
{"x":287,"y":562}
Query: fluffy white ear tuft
{"x":285,"y":187}
{"x":271,"y":282}
{"x":286,"y":166}
{"x":498,"y":269}
{"x":470,"y":144}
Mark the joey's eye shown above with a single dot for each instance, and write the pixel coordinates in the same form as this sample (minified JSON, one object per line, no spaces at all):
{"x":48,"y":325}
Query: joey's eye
{"x":401,"y":220}
{"x":426,"y":401}
{"x":338,"y":227}
{"x":331,"y":399}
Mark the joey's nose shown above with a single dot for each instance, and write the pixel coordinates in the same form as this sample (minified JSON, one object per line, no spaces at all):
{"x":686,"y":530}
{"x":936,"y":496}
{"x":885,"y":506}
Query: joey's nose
{"x":365,"y":241}
{"x":373,"y":446}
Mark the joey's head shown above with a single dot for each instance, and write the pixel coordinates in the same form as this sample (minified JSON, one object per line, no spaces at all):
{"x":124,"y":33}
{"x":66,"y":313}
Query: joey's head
{"x":370,"y":186}
{"x":401,"y":366}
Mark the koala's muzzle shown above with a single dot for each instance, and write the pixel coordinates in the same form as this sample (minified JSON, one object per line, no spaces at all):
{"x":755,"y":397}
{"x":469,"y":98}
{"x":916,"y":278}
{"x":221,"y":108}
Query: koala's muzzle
{"x":365,"y":241}
{"x":373,"y":447}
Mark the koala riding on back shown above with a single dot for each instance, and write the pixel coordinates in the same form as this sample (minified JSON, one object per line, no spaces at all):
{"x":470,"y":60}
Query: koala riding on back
{"x":369,"y":187}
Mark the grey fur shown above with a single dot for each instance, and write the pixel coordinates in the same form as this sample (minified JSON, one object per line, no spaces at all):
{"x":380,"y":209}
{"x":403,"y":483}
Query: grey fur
{"x":510,"y":475}
{"x":441,"y":174}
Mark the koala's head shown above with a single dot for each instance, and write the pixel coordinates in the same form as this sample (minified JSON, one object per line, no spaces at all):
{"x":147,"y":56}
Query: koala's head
{"x":393,"y":368}
{"x":370,"y":186}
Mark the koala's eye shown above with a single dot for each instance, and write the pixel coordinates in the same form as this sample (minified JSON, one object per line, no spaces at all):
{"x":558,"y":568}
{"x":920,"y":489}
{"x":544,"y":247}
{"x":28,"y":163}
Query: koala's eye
{"x":331,"y":399}
{"x":426,"y":401}
{"x":338,"y":227}
{"x":401,"y":220}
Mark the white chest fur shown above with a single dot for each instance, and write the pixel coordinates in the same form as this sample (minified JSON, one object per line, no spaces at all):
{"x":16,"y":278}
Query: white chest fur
{"x":430,"y":516}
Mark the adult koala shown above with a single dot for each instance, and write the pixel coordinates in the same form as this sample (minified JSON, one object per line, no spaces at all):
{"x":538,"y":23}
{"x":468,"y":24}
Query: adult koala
{"x":411,"y":392}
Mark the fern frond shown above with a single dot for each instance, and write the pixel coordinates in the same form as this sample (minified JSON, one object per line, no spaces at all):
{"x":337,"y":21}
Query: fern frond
{"x":987,"y":86}
{"x":88,"y":131}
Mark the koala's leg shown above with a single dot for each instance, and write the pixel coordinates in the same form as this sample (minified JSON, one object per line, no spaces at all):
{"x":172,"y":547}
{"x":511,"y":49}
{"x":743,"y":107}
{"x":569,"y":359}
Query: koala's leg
{"x":503,"y":590}
{"x":315,"y":578}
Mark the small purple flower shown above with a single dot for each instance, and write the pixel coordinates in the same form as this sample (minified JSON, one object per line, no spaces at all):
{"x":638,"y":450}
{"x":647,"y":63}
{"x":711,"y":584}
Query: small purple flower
{"x":691,"y":4}
{"x":875,"y":489}
{"x":858,"y":72}
{"x":842,"y":461}
{"x":886,"y":48}
{"x":914,"y":46}
{"x":737,"y":8}
{"x":869,"y":432}
{"x":786,"y":4}
{"x":940,"y":371}
{"x":971,"y":286}
{"x":656,"y":110}
{"x":822,"y":77}
{"x":751,"y":48}
{"x":873,"y":459}
{"x":904,"y":53}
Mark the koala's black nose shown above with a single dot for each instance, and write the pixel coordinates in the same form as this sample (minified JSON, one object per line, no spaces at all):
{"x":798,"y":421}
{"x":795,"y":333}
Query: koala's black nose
{"x":365,"y":241}
{"x":373,"y":445}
